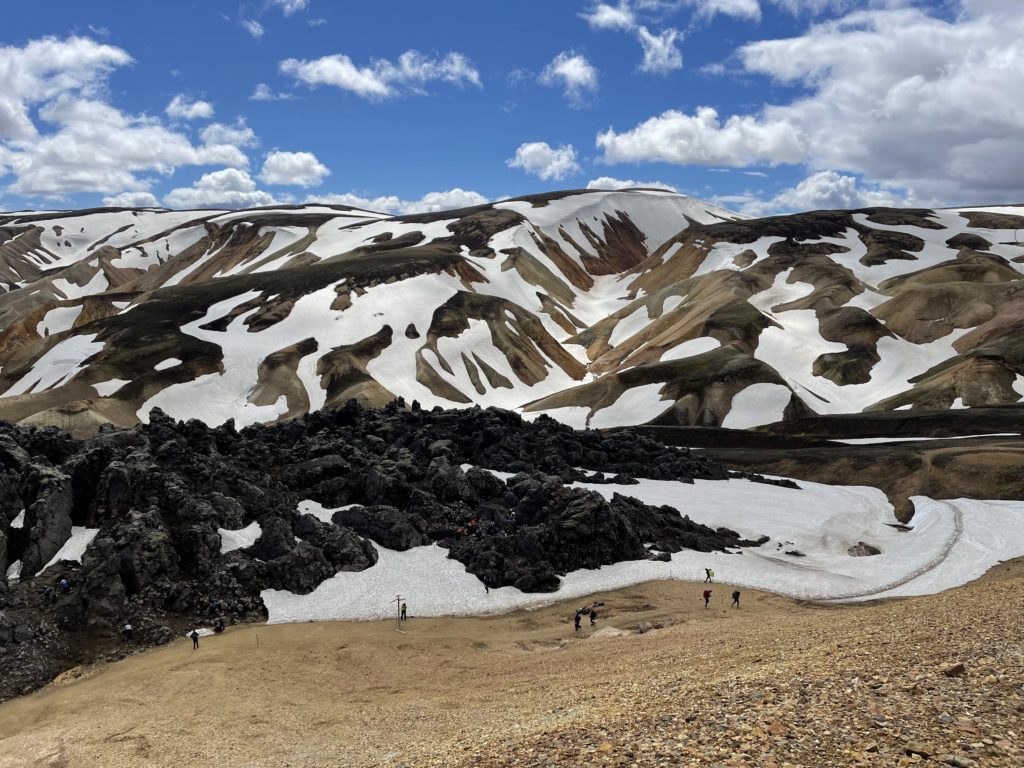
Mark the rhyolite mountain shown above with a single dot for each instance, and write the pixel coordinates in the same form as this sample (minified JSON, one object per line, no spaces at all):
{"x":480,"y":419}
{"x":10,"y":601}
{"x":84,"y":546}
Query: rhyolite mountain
{"x":600,"y":308}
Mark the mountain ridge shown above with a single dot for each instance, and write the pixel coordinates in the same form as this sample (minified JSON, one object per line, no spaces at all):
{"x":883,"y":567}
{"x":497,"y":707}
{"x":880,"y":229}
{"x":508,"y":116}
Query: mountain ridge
{"x":570,"y":303}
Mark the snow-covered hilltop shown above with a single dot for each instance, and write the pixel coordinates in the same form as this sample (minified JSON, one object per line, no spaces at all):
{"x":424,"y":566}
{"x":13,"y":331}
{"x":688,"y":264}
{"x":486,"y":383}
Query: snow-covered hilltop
{"x":600,"y":308}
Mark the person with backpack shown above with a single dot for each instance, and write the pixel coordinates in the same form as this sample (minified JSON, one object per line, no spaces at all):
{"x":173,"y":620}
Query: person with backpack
{"x":195,"y":639}
{"x":576,"y":620}
{"x":708,"y":575}
{"x":403,"y":612}
{"x":707,"y":597}
{"x":736,"y":598}
{"x":593,"y":616}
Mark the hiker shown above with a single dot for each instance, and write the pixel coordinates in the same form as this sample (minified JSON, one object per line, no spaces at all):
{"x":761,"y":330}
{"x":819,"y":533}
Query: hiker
{"x":195,"y":640}
{"x":218,"y":625}
{"x":708,"y":575}
{"x":707,"y":597}
{"x":736,"y":598}
{"x":65,"y":586}
{"x":593,"y":617}
{"x":403,"y":612}
{"x":49,"y":595}
{"x":128,"y":632}
{"x":576,"y":620}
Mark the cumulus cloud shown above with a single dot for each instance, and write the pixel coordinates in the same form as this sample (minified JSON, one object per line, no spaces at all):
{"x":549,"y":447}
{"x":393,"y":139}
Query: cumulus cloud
{"x":660,"y":52}
{"x":605,"y":16}
{"x":182,"y":107}
{"x":574,"y":74}
{"x":430,"y":203}
{"x":253,"y":27}
{"x":45,"y":69}
{"x":59,"y":136}
{"x":382,"y":79}
{"x":608,"y":182}
{"x":908,"y":99}
{"x":263,"y":92}
{"x":131,"y":200}
{"x":238,"y":134}
{"x":824,"y":190}
{"x":97,"y":148}
{"x":545,"y":161}
{"x":675,"y":137}
{"x":227,"y":188}
{"x":300,"y":169}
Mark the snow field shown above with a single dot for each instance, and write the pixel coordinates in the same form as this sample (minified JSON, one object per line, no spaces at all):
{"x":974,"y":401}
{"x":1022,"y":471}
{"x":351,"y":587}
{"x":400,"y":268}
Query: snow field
{"x":951,"y":542}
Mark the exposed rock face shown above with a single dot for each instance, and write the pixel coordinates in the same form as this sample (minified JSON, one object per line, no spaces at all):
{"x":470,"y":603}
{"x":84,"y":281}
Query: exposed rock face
{"x":157,"y":497}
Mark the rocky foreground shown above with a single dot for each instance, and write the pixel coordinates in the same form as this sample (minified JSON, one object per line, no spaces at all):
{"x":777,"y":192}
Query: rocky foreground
{"x":157,"y":496}
{"x":933,"y":681}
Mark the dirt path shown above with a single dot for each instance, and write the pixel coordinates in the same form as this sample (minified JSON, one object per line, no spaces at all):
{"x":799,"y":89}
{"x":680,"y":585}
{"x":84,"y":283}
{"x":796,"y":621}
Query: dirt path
{"x":524,"y":689}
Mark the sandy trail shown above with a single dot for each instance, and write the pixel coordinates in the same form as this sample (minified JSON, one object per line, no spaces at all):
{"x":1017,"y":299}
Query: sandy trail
{"x":348,"y":693}
{"x":823,"y":685}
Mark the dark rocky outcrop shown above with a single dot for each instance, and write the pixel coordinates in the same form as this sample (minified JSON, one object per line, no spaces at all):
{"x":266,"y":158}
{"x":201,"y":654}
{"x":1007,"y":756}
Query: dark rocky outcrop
{"x":398,"y":477}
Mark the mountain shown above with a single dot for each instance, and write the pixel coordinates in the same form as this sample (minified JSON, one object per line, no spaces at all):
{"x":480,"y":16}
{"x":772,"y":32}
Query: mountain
{"x":600,"y":308}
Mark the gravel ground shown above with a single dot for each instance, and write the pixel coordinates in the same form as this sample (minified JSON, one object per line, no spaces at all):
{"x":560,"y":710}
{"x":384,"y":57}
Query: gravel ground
{"x":775,"y":683}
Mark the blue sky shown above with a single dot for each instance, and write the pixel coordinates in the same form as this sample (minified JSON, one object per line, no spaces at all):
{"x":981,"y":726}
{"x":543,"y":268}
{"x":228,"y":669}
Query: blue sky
{"x":761,"y":105}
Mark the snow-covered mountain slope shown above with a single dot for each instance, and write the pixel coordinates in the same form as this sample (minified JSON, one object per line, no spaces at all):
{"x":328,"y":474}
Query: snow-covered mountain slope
{"x":600,"y":308}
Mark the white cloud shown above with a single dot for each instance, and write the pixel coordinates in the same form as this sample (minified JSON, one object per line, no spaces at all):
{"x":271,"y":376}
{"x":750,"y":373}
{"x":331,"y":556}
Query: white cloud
{"x":675,"y":137}
{"x":288,"y":7}
{"x":430,"y":203}
{"x":300,"y":169}
{"x":97,"y":148}
{"x":660,"y":52}
{"x":382,"y":79}
{"x":605,"y":16}
{"x":824,"y":190}
{"x":227,"y":188}
{"x":907,"y":99}
{"x":739,"y":9}
{"x":544,"y":161}
{"x":574,"y":74}
{"x":183,"y":108}
{"x":59,"y":136}
{"x":608,"y":182}
{"x":253,"y":27}
{"x":46,"y":68}
{"x":237,"y":134}
{"x":263,"y":92}
{"x":131,"y":200}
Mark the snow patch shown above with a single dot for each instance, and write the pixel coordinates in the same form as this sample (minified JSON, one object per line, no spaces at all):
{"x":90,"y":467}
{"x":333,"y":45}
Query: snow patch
{"x":239,"y":539}
{"x":756,"y":405}
{"x":58,"y":320}
{"x":107,"y":388}
{"x":74,"y":547}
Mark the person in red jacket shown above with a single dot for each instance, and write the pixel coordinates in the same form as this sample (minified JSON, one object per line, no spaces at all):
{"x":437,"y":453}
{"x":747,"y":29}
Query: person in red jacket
{"x":707,"y":597}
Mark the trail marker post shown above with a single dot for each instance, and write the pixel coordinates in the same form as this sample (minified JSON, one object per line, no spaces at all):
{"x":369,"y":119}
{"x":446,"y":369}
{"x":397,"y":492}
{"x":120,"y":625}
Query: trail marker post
{"x":398,"y":614}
